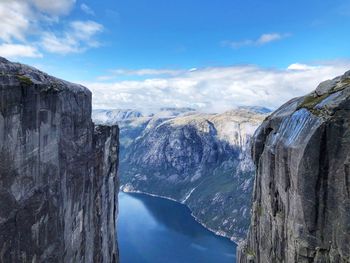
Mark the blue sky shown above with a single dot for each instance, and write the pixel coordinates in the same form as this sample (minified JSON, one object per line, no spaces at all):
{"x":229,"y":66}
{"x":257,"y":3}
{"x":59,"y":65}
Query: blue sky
{"x":128,"y":43}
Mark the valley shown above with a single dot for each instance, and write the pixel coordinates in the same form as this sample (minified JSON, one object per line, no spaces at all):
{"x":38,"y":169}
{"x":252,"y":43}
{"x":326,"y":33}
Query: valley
{"x":198,"y":159}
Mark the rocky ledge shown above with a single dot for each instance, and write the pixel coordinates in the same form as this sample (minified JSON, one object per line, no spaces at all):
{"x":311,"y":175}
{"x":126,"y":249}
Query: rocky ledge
{"x":301,"y":209}
{"x":58,"y":173}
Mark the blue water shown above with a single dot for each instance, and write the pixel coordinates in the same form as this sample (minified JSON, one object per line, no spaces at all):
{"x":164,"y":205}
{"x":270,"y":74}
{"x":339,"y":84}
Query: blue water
{"x":156,"y":230}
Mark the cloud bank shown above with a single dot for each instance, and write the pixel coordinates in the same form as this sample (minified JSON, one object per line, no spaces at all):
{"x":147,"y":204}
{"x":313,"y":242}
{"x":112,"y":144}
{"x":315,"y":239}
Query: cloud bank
{"x":216,"y":89}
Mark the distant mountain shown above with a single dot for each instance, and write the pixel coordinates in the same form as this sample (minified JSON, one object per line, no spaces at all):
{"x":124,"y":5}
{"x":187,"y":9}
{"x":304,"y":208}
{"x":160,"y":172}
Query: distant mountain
{"x":114,"y":116}
{"x":102,"y":116}
{"x":174,"y":111}
{"x":202,"y":160}
{"x":256,"y":109}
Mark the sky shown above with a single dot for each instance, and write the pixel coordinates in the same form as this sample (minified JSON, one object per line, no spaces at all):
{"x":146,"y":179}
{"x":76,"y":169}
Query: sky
{"x":209,"y":55}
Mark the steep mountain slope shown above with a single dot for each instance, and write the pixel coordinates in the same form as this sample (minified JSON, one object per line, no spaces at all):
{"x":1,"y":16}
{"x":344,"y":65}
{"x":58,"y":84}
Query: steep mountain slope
{"x":58,"y":172}
{"x":133,"y":123}
{"x":301,"y":207}
{"x":201,"y":160}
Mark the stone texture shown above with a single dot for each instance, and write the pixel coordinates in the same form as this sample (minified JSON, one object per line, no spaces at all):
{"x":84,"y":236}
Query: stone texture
{"x":58,"y":174}
{"x":301,"y":210}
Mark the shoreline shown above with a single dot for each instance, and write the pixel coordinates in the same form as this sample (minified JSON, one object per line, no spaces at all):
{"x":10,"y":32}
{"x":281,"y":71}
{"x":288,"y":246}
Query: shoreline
{"x":218,"y":233}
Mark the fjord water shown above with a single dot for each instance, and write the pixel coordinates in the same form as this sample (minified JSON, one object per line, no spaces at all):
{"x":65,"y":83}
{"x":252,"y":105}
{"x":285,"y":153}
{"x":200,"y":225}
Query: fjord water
{"x":156,"y":230}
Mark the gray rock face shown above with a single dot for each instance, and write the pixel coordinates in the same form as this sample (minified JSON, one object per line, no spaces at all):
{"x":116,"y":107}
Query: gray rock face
{"x":58,"y":174}
{"x":301,"y":210}
{"x":201,"y":160}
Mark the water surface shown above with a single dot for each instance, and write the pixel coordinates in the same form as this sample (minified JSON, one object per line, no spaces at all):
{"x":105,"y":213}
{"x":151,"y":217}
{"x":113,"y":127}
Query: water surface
{"x":156,"y":230}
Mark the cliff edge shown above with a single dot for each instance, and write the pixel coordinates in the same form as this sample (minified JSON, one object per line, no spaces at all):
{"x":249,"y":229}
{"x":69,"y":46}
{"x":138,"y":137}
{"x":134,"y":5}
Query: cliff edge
{"x":58,"y":173}
{"x":301,"y":210}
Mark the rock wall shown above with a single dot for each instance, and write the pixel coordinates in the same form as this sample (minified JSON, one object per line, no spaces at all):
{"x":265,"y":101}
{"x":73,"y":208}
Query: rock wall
{"x":58,"y":174}
{"x":106,"y":142}
{"x":301,"y":209}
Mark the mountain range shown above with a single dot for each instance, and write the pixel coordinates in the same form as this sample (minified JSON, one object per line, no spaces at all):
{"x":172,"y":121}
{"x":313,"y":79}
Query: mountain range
{"x":199,"y":159}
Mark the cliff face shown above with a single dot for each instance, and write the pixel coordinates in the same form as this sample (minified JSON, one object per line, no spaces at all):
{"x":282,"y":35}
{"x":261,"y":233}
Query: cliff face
{"x":301,"y":210}
{"x":57,"y":175}
{"x":201,"y":160}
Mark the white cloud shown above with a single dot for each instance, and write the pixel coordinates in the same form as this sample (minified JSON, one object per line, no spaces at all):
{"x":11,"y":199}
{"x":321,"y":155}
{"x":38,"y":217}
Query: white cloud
{"x":61,"y":45}
{"x":56,"y":7}
{"x":18,"y":50}
{"x":34,"y":21}
{"x":299,"y":66}
{"x":145,"y":72}
{"x":84,"y":30}
{"x":79,"y":37}
{"x":262,"y":40}
{"x":87,"y":10}
{"x":267,"y":38}
{"x":15,"y":19}
{"x":19,"y":17}
{"x":216,"y":89}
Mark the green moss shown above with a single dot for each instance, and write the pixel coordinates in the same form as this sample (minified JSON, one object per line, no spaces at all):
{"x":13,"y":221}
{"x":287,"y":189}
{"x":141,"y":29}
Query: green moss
{"x":250,"y":252}
{"x":52,"y":87}
{"x":341,"y":85}
{"x":259,"y":210}
{"x":25,"y":81}
{"x":311,"y":101}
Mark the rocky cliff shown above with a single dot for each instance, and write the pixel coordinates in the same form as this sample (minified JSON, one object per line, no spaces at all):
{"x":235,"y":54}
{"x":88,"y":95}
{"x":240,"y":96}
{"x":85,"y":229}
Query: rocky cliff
{"x":301,"y":210}
{"x":58,"y":173}
{"x":201,"y":160}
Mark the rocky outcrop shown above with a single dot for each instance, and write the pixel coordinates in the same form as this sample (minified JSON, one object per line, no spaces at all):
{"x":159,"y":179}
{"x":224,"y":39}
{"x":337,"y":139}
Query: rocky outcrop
{"x":58,"y":173}
{"x":301,"y":210}
{"x":201,"y":160}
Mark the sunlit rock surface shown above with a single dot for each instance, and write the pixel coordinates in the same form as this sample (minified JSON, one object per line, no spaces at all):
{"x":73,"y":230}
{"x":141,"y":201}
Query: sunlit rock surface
{"x":58,"y":173}
{"x":301,"y":210}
